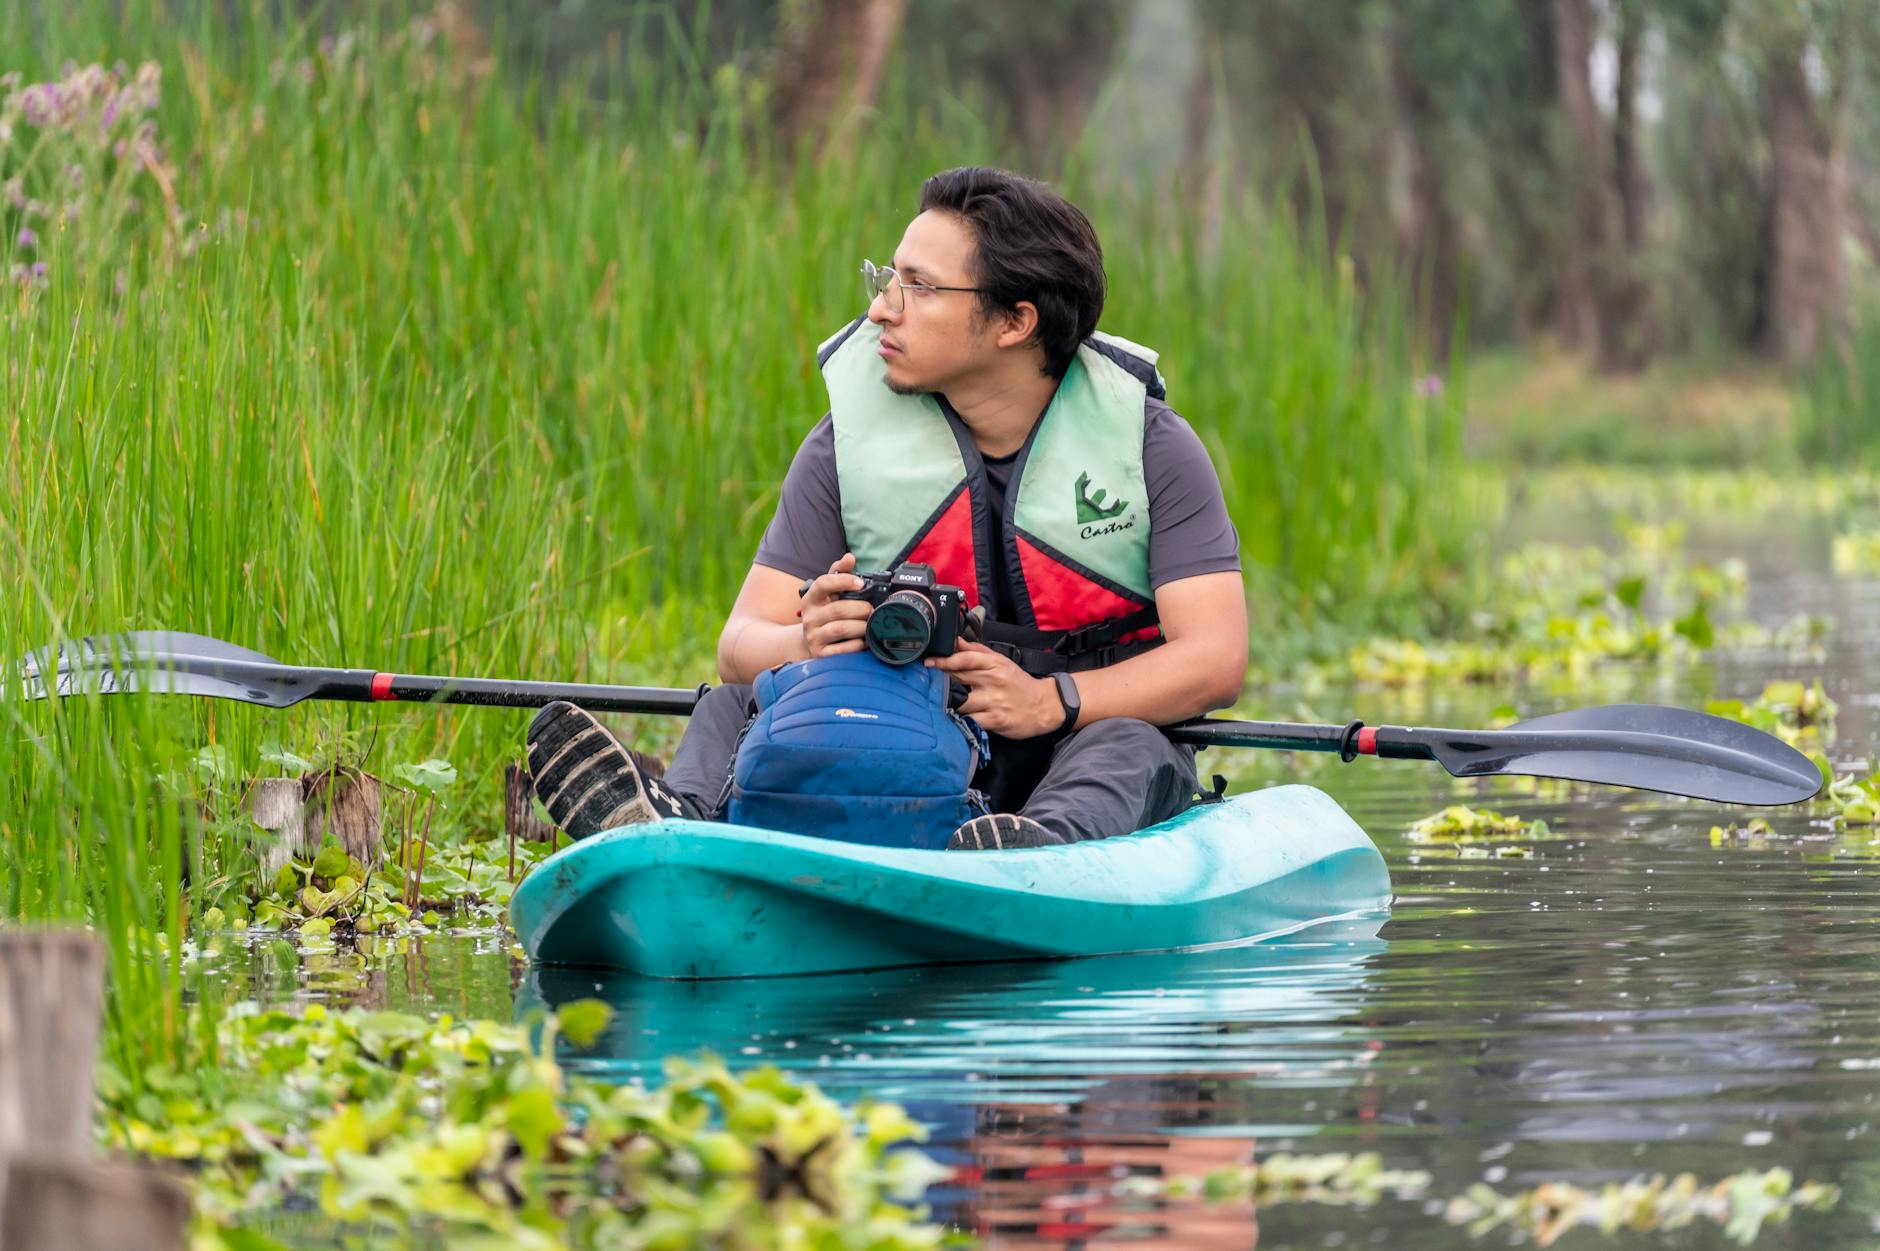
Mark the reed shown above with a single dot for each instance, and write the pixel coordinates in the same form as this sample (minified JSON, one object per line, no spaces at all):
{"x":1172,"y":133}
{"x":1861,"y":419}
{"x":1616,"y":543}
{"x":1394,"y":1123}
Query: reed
{"x":1836,"y":419}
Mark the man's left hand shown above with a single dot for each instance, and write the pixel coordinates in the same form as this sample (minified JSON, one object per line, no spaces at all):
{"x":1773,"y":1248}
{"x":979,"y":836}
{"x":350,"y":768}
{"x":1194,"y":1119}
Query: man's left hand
{"x":1003,"y":697}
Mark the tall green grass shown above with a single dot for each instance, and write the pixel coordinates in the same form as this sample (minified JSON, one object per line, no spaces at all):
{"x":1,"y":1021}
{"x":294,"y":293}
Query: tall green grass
{"x":1837,"y":418}
{"x":441,"y":367}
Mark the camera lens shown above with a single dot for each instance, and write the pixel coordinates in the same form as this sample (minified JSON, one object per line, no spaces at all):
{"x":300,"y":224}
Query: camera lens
{"x":900,"y":626}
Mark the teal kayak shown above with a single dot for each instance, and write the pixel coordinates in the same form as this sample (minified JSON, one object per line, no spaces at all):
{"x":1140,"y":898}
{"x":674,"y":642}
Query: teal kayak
{"x":697,"y":899}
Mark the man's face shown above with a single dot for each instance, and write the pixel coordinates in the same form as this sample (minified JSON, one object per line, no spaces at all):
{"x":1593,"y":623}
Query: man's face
{"x":938,"y":337}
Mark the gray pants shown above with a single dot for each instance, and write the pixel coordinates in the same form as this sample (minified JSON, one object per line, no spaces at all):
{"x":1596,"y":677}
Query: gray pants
{"x":1111,"y":777}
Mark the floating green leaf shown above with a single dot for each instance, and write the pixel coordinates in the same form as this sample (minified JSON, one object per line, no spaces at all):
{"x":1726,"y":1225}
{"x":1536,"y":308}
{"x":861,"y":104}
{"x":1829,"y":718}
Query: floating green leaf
{"x":286,"y":761}
{"x":582,"y":1021}
{"x":1462,"y":824}
{"x":432,"y":775}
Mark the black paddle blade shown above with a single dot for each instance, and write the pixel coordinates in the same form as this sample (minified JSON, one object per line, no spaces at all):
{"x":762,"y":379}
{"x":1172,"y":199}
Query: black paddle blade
{"x":1671,"y":750}
{"x":157,"y":661}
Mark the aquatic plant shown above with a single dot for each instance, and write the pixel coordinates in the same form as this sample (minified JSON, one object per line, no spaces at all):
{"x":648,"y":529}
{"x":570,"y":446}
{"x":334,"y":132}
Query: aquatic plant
{"x":1857,"y":552}
{"x":1851,"y":798}
{"x":414,"y":1130}
{"x":1741,"y":1204}
{"x":1463,"y":828}
{"x":1335,"y":1178}
{"x":1558,"y":612}
{"x":1801,"y":715}
{"x":467,"y":878}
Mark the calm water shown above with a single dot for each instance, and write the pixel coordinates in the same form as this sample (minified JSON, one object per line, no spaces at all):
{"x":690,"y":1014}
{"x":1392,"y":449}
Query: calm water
{"x":1628,"y":1000}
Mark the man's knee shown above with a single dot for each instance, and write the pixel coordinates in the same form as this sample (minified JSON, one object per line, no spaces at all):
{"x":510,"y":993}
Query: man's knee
{"x":730,"y":702}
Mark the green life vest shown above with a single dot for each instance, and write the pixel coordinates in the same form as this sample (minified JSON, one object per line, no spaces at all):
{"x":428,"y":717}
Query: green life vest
{"x":913,"y":487}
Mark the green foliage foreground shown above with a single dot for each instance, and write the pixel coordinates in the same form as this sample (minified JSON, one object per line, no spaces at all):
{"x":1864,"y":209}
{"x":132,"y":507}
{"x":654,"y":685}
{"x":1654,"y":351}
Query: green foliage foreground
{"x":398,"y":1127}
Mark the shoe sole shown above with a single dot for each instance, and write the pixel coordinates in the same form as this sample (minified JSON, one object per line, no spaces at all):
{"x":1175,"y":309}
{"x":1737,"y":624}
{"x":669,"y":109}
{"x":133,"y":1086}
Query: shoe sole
{"x":583,"y":775}
{"x":990,"y":833}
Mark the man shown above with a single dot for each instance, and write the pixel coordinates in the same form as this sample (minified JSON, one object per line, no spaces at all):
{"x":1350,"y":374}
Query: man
{"x":979,"y":424}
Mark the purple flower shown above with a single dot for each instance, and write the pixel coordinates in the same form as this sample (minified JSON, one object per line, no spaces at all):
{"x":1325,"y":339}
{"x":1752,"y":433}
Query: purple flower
{"x":1430,"y":384}
{"x":26,"y":238}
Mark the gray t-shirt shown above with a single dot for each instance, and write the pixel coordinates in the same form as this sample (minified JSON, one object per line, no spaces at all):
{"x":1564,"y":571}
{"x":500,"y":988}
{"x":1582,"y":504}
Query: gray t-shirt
{"x":1190,"y":532}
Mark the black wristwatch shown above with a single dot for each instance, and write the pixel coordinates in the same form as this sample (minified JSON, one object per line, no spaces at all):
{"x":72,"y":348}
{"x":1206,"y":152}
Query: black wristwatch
{"x":1067,"y":695}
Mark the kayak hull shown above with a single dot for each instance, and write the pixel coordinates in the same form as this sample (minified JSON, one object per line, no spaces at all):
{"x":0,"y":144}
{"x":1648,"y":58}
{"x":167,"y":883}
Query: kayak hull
{"x":695,"y":899}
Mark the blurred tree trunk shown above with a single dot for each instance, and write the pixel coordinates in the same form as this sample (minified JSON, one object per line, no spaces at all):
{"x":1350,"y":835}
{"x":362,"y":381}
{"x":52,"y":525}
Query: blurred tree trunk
{"x":1425,"y":227}
{"x":1807,"y":295}
{"x":1053,"y":85}
{"x":1044,"y":63}
{"x":831,"y":55}
{"x":1600,"y":299}
{"x":1576,"y":308}
{"x":1634,"y":193}
{"x":1511,"y":110}
{"x":1627,"y":343}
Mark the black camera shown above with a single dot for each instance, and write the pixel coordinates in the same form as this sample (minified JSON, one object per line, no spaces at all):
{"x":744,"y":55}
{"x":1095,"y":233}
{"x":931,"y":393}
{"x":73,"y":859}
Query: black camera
{"x":913,"y":617}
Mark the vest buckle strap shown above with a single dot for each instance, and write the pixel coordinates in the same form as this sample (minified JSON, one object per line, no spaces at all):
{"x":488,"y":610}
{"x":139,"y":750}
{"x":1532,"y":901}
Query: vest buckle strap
{"x":1102,"y":635}
{"x":1085,"y":638}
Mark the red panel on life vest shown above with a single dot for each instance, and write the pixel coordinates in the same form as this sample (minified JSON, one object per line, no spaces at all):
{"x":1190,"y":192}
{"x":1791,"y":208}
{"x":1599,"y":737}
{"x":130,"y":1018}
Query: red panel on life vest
{"x":1063,"y":599}
{"x":948,"y":547}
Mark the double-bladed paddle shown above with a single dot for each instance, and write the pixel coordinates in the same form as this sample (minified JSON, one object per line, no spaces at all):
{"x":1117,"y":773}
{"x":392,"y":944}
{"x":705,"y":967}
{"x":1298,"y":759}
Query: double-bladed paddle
{"x":1641,"y":746}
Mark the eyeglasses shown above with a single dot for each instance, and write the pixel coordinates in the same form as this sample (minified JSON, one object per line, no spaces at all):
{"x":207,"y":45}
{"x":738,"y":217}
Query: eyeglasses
{"x":879,"y":280}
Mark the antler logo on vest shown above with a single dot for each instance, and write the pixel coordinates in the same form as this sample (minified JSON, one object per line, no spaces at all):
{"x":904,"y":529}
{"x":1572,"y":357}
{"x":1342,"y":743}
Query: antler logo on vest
{"x":1091,"y":509}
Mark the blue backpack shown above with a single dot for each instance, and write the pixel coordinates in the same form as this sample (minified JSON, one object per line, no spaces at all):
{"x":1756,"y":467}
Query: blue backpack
{"x":850,"y":748}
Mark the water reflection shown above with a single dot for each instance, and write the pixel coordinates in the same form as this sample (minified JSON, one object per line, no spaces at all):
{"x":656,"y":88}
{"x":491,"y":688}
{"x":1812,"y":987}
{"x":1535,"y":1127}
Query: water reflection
{"x":1044,"y":1085}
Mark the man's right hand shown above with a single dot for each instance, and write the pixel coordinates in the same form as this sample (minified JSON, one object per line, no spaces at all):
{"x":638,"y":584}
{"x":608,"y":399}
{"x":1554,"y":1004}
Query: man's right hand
{"x":832,"y":625}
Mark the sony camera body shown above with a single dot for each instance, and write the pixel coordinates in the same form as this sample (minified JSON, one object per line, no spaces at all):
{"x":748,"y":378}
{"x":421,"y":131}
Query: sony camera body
{"x":913,"y":615}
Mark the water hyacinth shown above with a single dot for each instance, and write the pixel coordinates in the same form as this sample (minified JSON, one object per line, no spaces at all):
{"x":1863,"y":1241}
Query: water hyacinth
{"x":471,"y":1133}
{"x":1740,"y":1204}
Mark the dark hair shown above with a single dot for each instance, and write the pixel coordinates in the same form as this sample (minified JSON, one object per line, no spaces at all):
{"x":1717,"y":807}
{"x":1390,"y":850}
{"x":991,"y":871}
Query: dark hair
{"x":1030,"y":243}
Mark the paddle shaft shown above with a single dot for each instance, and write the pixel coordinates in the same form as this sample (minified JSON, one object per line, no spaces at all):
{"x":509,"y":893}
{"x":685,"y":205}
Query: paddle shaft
{"x":1465,"y":753}
{"x":1634,"y":745}
{"x":362,"y":686}
{"x":372,"y":686}
{"x":1385,"y":741}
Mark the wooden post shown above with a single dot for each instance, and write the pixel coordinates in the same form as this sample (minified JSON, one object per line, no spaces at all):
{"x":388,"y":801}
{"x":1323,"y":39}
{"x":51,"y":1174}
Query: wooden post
{"x":54,"y":1194}
{"x":278,"y":806}
{"x":300,"y":812}
{"x":51,"y":996}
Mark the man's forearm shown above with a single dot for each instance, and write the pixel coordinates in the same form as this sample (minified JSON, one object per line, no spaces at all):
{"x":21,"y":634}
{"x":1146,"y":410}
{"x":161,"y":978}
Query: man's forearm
{"x":1183,"y":678}
{"x":750,"y":645}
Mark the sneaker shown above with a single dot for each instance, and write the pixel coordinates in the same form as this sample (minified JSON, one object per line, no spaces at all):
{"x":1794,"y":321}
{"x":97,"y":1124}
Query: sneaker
{"x":1000,"y":831}
{"x":586,"y":779}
